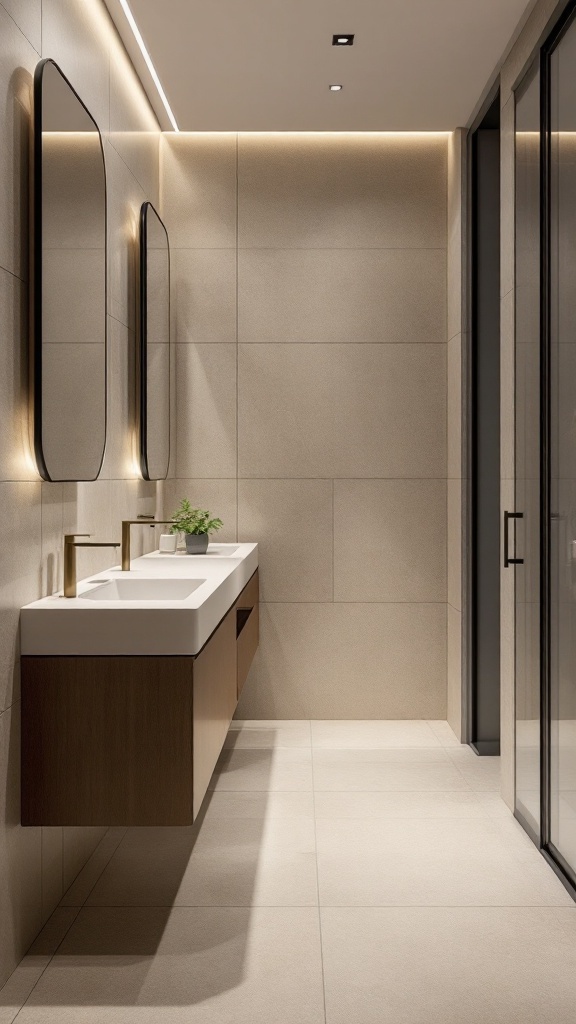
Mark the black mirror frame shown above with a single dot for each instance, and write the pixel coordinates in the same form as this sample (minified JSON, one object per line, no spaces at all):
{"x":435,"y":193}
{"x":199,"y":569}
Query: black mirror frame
{"x":35,"y":374}
{"x":142,"y":361}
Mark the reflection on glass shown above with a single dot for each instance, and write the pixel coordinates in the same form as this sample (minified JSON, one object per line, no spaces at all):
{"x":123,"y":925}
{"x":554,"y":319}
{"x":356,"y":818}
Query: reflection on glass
{"x":154,"y":345}
{"x":563,"y":446}
{"x":69,"y":283}
{"x":527,"y":454}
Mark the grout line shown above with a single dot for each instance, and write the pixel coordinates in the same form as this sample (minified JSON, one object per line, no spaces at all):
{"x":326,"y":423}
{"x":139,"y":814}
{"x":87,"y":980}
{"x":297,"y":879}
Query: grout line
{"x":51,"y":957}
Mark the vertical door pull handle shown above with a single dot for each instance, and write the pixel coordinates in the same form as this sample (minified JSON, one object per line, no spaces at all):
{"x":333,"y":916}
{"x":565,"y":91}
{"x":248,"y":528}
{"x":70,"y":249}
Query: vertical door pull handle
{"x":507,"y":560}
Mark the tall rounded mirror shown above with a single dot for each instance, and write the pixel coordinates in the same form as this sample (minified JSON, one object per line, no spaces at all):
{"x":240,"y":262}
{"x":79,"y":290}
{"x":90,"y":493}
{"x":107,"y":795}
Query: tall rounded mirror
{"x":69,"y":283}
{"x":154,"y":345}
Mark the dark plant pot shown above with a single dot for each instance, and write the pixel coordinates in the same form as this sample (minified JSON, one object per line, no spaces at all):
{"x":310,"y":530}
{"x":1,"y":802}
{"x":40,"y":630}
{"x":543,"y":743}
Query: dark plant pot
{"x":196,"y":543}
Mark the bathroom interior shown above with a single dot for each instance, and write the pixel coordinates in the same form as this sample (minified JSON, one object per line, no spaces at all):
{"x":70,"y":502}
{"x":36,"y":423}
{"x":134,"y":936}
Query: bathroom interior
{"x":288,"y":559}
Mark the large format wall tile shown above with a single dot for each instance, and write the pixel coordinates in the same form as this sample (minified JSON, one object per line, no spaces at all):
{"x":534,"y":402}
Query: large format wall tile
{"x":18,"y":58}
{"x":28,"y":16}
{"x":206,"y":410}
{"x":125,"y":196}
{"x":348,"y":661}
{"x":292,"y":522}
{"x":342,"y":411}
{"x":134,"y":128}
{"x":199,"y":192}
{"x":204,"y":293}
{"x":20,"y":854}
{"x":332,"y":191}
{"x":77,"y":36}
{"x":15,"y":463}
{"x":390,"y":540}
{"x":341,"y":295}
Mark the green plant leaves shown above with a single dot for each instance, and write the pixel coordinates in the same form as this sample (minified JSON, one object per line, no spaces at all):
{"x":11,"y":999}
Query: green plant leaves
{"x":187,"y":519}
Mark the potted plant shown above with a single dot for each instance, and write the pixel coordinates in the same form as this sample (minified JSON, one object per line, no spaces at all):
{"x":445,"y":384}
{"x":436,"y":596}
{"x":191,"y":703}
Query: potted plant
{"x":196,"y":524}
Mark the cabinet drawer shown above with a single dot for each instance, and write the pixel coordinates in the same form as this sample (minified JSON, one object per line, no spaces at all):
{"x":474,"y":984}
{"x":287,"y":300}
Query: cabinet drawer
{"x":247,"y":628}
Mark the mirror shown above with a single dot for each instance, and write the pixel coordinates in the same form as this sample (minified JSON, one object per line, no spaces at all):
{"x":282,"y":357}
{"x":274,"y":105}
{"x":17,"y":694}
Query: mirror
{"x":69,"y":283}
{"x":154,"y":347}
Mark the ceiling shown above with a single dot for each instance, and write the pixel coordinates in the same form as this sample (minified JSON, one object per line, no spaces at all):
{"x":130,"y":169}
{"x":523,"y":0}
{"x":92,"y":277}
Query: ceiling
{"x":265,"y":65}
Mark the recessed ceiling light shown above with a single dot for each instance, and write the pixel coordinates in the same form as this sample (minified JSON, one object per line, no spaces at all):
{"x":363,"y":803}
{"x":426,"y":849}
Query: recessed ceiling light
{"x":343,"y":39}
{"x":335,"y":88}
{"x":138,"y":37}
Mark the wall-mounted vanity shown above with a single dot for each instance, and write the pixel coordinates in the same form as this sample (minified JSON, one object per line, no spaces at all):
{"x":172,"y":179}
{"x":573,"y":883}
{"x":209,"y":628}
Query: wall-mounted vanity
{"x":128,"y":689}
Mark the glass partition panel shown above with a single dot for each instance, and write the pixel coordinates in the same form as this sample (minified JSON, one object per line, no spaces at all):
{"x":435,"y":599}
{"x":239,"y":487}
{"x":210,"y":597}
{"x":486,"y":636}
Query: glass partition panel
{"x":527,"y":453}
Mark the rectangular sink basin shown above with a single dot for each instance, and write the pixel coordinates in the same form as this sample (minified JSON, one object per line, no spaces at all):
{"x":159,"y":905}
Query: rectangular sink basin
{"x":143,"y":590}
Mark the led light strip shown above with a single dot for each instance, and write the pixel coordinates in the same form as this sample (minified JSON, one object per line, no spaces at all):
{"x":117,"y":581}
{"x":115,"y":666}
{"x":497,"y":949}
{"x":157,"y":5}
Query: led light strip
{"x":138,"y":37}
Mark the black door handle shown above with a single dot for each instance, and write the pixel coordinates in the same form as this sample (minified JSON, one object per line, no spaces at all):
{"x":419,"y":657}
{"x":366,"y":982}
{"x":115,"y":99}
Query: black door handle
{"x":507,"y":560}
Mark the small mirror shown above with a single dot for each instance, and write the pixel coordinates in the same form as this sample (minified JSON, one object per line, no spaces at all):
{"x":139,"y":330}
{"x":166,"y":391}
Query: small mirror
{"x":154,"y":346}
{"x":69,"y":283}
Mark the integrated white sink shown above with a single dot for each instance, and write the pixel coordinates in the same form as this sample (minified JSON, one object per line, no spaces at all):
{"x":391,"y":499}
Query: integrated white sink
{"x":165,"y":605}
{"x":143,"y":590}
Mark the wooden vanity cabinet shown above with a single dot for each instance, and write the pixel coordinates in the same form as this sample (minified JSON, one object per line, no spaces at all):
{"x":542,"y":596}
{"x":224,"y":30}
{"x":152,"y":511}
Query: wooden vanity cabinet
{"x":131,"y":740}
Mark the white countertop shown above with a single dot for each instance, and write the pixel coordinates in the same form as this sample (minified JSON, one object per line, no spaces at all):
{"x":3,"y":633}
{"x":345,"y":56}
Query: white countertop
{"x":86,"y":626}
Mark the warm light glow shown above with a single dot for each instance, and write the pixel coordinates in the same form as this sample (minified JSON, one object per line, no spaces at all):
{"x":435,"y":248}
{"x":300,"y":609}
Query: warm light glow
{"x":149,"y":64}
{"x":335,"y":88}
{"x":323,"y":134}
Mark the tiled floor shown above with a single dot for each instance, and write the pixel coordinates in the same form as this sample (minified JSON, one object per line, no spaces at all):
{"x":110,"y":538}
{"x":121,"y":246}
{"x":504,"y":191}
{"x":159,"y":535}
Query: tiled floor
{"x":343,"y":871}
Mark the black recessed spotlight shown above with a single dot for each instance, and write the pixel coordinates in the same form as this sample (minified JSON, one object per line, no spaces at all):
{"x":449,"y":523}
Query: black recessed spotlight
{"x":343,"y":39}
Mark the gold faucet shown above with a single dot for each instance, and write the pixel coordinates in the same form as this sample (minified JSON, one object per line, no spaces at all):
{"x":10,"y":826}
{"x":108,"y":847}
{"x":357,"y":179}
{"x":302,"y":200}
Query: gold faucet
{"x":142,"y":520}
{"x":70,"y":545}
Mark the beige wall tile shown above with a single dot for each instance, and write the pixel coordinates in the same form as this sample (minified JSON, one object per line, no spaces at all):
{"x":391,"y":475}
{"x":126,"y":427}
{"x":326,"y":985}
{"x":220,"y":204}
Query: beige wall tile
{"x":18,"y":59}
{"x":125,"y":196}
{"x":199,"y":190}
{"x":206,"y":410}
{"x":78,"y":844}
{"x":332,"y":191}
{"x":52,"y":537}
{"x":204,"y":294}
{"x":292,"y":522}
{"x":15,"y":460}
{"x":21,"y":504}
{"x":348,"y":661}
{"x":13,"y":596}
{"x":20,"y":855}
{"x":456,"y":256}
{"x":455,"y":543}
{"x":342,"y":410}
{"x":454,"y":695}
{"x":134,"y":128}
{"x":120,"y":458}
{"x":339,"y":295}
{"x":390,"y":540}
{"x":28,"y":16}
{"x":51,"y":870}
{"x":455,"y":407}
{"x":77,"y":36}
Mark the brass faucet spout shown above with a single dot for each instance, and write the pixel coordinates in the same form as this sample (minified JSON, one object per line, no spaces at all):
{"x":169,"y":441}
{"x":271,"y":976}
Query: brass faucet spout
{"x":70,"y":545}
{"x":126,"y":524}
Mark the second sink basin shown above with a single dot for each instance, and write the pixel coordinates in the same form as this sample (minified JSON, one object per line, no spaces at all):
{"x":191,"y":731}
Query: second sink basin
{"x":143,"y":590}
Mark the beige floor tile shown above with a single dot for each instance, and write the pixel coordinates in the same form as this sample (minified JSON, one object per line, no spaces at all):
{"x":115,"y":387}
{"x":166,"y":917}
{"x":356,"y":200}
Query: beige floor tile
{"x":184,"y":966}
{"x":326,"y":756}
{"x":259,"y":805}
{"x":47,"y":942}
{"x":390,"y":805}
{"x":481,"y":773}
{"x":431,"y":863}
{"x":449,"y":965}
{"x":19,"y":986}
{"x":268,"y":734}
{"x":444,"y":733}
{"x":84,"y":882}
{"x":224,"y":862}
{"x":283,"y":769}
{"x":373,"y":776}
{"x":355,"y":734}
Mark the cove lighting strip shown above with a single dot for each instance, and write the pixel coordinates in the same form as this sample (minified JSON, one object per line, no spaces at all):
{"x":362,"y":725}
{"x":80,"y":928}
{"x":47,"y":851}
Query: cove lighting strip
{"x":138,"y":37}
